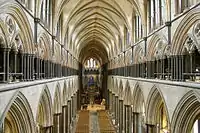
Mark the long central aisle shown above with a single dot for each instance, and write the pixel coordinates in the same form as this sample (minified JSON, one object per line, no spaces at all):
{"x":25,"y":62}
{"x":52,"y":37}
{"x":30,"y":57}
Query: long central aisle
{"x":94,"y":121}
{"x":94,"y":124}
{"x":105,"y":124}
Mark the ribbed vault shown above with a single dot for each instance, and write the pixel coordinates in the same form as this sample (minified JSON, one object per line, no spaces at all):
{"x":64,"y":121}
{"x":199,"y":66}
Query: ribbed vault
{"x":92,"y":28}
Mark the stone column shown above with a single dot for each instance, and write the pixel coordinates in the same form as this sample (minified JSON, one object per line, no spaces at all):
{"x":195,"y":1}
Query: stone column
{"x":110,"y":97}
{"x":44,"y":68}
{"x":3,"y":50}
{"x":21,"y":66}
{"x":71,"y":111}
{"x":182,"y":67}
{"x":176,"y":71}
{"x":135,"y":122}
{"x":69,"y":115}
{"x":169,"y":70}
{"x":25,"y":67}
{"x":41,"y":69}
{"x":121,"y":116}
{"x":113,"y":103}
{"x":65,"y":118}
{"x":28,"y":67}
{"x":15,"y":65}
{"x":150,"y":128}
{"x":48,"y":69}
{"x":48,"y":129}
{"x":163,"y":68}
{"x":127,"y":117}
{"x":53,"y":69}
{"x":57,"y":123}
{"x":180,"y":70}
{"x":32,"y":66}
{"x":172,"y":67}
{"x":153,"y":68}
{"x":116,"y":110}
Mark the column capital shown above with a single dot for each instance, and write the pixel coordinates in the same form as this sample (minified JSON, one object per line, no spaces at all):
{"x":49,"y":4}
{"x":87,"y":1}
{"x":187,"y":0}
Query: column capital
{"x":168,"y":23}
{"x":37,"y":20}
{"x":65,"y":106}
{"x":136,"y":113}
{"x":150,"y":125}
{"x":57,"y":114}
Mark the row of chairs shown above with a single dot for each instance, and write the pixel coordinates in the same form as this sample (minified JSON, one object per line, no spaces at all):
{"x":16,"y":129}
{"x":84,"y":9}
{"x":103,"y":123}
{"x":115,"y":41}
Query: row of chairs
{"x":83,"y":122}
{"x":105,"y":124}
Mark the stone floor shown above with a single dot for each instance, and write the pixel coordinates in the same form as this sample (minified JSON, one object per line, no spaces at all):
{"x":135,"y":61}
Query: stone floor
{"x":94,"y":124}
{"x":92,"y":114}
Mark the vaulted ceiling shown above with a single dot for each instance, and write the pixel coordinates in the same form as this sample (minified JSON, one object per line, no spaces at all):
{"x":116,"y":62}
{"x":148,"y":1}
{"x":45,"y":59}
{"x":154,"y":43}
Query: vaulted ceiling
{"x":91,"y":28}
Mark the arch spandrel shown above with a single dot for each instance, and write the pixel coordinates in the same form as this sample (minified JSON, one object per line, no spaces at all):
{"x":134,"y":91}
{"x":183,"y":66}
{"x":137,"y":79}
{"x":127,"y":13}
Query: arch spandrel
{"x":57,"y":101}
{"x":20,"y":113}
{"x":137,"y":97}
{"x":14,"y":11}
{"x":127,"y":94}
{"x":121,"y":90}
{"x":7,"y":98}
{"x":181,"y":31}
{"x":44,"y":115}
{"x":64,"y":94}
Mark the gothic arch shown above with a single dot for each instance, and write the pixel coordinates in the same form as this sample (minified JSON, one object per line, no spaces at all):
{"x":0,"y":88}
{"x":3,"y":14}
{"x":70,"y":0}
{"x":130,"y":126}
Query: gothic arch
{"x":57,"y":104}
{"x":115,"y":88}
{"x":3,"y":35}
{"x":138,"y":99}
{"x":139,"y":54}
{"x":157,"y":47}
{"x":44,"y":110}
{"x":121,"y":90}
{"x":57,"y":53}
{"x":69,"y":89}
{"x":65,"y":95}
{"x":15,"y":11}
{"x":154,"y":102}
{"x":180,"y":34}
{"x":186,"y":112}
{"x":19,"y":117}
{"x":45,"y":43}
{"x":127,"y":94}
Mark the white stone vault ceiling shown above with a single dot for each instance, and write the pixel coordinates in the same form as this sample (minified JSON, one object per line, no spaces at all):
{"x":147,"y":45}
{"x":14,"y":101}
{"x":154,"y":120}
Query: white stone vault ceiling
{"x":92,"y":27}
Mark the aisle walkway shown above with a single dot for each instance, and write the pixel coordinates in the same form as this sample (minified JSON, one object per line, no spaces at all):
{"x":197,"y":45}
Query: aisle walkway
{"x":94,"y":121}
{"x":94,"y":124}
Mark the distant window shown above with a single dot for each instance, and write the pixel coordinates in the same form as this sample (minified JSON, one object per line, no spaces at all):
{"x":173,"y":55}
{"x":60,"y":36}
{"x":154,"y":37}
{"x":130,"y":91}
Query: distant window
{"x":181,"y":5}
{"x":58,"y":33}
{"x":126,"y":36}
{"x":138,"y":30}
{"x":156,"y":10}
{"x":45,"y":11}
{"x":120,"y":43}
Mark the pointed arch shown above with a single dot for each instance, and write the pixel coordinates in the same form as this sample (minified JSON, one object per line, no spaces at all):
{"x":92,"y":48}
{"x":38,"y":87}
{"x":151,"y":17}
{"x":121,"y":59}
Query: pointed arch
{"x":156,"y":102}
{"x":127,"y":94}
{"x":121,"y":90}
{"x":157,"y":47}
{"x":19,"y":16}
{"x":138,"y":99}
{"x":57,"y":104}
{"x":65,"y":95}
{"x":46,"y":42}
{"x":19,"y":117}
{"x":45,"y":109}
{"x":180,"y":34}
{"x":186,"y":112}
{"x":115,"y":88}
{"x":3,"y":35}
{"x":69,"y":89}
